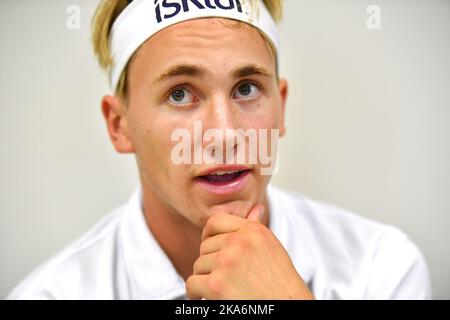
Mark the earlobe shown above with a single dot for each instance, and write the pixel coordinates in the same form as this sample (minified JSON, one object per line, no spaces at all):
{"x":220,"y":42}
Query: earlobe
{"x":283,"y":90}
{"x":114,"y":114}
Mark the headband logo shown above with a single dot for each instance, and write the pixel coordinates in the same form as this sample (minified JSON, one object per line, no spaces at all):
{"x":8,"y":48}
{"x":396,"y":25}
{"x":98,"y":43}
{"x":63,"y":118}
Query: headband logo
{"x":170,"y":8}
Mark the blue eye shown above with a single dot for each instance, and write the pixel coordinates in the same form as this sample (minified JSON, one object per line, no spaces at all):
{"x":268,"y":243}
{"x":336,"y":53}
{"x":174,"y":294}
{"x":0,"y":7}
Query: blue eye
{"x":247,"y":90}
{"x":181,"y":96}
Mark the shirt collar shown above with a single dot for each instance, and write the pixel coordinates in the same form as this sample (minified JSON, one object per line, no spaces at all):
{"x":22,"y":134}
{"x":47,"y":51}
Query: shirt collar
{"x":286,"y":223}
{"x":152,"y":274}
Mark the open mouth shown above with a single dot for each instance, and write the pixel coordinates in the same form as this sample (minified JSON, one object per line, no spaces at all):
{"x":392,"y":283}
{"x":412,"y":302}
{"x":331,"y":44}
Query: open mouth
{"x":225,"y":180}
{"x":223,"y":177}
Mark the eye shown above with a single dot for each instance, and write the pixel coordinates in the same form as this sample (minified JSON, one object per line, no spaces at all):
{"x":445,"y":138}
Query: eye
{"x":247,"y":90}
{"x":181,"y":96}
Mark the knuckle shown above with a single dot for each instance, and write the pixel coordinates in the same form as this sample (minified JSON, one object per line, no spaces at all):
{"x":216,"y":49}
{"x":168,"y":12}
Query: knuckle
{"x":216,"y":284}
{"x":213,"y":221}
{"x":226,"y":258}
{"x":240,"y":241}
{"x":188,"y":284}
{"x":257,"y":229}
{"x":196,"y":266}
{"x":189,"y":292}
{"x":203,"y":247}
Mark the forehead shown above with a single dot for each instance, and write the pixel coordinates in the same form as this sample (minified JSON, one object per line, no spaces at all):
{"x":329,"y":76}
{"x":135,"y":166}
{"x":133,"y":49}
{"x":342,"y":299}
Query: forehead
{"x":208,"y":42}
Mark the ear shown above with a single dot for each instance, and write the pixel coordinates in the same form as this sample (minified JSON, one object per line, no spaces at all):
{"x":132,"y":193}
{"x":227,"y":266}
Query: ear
{"x":114,"y":112}
{"x":283,"y":90}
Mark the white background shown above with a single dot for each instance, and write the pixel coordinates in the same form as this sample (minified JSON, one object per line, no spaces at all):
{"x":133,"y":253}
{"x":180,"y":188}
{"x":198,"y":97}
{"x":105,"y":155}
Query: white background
{"x":368,"y":124}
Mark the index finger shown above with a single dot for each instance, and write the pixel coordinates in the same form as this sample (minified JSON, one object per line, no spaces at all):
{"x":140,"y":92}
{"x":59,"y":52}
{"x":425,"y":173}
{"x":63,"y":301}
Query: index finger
{"x":222,"y":223}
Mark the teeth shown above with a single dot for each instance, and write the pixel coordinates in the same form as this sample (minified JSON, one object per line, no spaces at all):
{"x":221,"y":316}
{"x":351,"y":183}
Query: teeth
{"x":222,"y":173}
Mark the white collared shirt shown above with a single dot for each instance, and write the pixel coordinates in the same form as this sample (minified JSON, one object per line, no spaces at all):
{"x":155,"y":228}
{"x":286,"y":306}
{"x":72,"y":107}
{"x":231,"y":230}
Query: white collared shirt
{"x":337,"y":253}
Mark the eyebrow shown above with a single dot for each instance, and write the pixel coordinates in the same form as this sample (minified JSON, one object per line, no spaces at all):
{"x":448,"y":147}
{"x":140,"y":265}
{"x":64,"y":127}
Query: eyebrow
{"x":198,"y":72}
{"x":250,"y":70}
{"x":181,"y":70}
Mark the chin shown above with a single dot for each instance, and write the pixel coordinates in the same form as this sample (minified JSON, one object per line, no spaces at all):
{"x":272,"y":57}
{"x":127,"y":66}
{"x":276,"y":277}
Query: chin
{"x":239,"y":208}
{"x":205,"y":205}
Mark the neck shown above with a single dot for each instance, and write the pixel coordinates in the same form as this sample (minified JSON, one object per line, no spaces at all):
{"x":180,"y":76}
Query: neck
{"x":179,"y":238}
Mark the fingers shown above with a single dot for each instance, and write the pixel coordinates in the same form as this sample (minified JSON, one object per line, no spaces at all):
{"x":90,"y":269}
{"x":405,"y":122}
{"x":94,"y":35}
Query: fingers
{"x":205,"y":264}
{"x":256,"y":214}
{"x":222,"y":223}
{"x":213,"y":244}
{"x":227,"y":223}
{"x":196,"y":287}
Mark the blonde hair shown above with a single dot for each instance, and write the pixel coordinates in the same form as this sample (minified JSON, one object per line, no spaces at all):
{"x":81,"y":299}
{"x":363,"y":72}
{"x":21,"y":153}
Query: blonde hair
{"x":108,"y":11}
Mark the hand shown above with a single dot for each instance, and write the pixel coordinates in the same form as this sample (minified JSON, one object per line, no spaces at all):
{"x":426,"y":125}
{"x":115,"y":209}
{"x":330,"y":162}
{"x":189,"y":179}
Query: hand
{"x":242,"y":259}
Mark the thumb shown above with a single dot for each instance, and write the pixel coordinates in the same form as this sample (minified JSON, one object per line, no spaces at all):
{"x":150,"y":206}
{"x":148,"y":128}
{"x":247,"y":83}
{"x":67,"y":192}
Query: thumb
{"x":256,"y":214}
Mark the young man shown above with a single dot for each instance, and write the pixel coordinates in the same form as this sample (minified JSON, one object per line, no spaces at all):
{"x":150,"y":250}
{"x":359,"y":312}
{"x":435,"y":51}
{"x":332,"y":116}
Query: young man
{"x":202,"y":224}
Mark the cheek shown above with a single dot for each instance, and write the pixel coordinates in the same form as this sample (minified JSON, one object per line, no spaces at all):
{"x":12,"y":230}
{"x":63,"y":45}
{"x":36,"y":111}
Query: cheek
{"x":152,"y":145}
{"x":268,"y":116}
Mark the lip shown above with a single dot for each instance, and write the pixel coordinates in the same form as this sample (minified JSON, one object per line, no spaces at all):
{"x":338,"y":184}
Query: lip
{"x":226,"y":188}
{"x":223,"y":168}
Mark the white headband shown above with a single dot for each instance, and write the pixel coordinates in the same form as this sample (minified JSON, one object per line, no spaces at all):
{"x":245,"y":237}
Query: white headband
{"x":141,"y":19}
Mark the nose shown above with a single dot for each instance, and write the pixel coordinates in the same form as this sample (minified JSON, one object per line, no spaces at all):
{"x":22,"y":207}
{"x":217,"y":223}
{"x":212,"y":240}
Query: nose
{"x":221,"y":114}
{"x":220,"y":120}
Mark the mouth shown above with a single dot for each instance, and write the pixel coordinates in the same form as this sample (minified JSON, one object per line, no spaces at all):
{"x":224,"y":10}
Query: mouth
{"x":223,"y":177}
{"x":224,"y":180}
